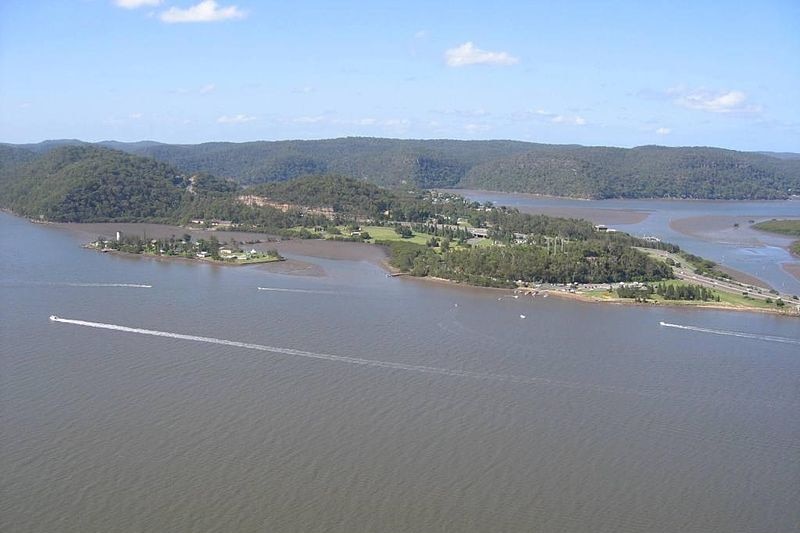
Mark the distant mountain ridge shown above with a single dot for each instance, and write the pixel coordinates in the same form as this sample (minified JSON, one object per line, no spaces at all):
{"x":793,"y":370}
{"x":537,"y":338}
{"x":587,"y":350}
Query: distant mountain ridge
{"x":511,"y":166}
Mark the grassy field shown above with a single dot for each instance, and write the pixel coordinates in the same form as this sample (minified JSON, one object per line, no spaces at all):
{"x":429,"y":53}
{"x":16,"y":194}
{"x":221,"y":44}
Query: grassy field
{"x":725,"y":298}
{"x":784,"y":227}
{"x":380,"y":233}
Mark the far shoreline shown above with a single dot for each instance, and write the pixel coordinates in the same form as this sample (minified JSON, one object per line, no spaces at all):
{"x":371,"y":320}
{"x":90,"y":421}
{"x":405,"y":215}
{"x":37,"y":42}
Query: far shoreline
{"x":352,"y":251}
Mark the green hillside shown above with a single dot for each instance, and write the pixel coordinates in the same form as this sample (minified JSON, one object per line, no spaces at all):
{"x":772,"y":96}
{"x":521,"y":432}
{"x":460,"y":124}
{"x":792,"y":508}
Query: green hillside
{"x":511,"y":166}
{"x":88,"y":183}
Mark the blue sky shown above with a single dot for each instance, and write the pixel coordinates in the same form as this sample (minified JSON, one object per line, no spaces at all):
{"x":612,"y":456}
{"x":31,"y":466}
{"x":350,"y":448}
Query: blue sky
{"x":624,"y":73}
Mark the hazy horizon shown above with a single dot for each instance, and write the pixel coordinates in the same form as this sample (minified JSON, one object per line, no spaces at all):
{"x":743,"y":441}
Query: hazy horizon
{"x":101,"y":141}
{"x":191,"y":71}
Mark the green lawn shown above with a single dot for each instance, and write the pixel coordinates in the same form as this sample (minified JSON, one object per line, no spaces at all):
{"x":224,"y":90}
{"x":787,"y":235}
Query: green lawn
{"x":784,"y":227}
{"x":381,"y":233}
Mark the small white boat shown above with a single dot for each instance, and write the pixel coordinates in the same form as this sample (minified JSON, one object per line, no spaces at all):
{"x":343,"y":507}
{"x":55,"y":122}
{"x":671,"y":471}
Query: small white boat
{"x":53,"y":317}
{"x":522,"y":316}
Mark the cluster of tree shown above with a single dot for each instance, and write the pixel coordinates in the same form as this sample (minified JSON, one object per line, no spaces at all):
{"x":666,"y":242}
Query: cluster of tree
{"x":680,"y":291}
{"x":668,"y":291}
{"x":563,"y":170}
{"x":704,"y":267}
{"x":174,"y":246}
{"x":589,"y":261}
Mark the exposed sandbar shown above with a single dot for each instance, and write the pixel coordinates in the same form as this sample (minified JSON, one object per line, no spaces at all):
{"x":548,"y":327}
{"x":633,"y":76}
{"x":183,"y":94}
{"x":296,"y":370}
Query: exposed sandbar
{"x":793,"y":269}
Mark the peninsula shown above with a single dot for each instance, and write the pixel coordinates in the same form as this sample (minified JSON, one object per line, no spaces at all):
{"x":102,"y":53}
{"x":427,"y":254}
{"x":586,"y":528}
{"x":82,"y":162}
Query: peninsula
{"x":434,"y":234}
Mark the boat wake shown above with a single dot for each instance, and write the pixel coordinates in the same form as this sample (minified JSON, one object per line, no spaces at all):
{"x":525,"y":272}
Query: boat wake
{"x":126,"y":285}
{"x":742,"y":334}
{"x":423,"y":369}
{"x":305,"y":291}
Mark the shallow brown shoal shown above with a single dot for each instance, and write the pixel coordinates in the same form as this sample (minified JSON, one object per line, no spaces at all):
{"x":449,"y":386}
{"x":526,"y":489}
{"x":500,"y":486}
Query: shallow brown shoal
{"x":793,"y":269}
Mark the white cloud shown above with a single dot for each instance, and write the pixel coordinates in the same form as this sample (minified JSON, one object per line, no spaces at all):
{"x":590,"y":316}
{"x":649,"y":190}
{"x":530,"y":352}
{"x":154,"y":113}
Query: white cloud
{"x":421,"y":34}
{"x":713,"y":101}
{"x":303,"y":90}
{"x":235,"y":119}
{"x":135,"y":116}
{"x":208,"y":88}
{"x":469,"y":54}
{"x":553,"y":118}
{"x":572,"y":121}
{"x":308,"y":120}
{"x":133,"y":4}
{"x":476,"y":128}
{"x":205,"y":11}
{"x":663,"y":131}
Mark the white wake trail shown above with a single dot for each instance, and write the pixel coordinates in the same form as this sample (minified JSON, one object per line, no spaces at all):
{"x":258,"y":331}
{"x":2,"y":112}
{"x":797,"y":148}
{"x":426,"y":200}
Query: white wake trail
{"x":742,"y":334}
{"x":127,"y":285}
{"x":399,"y":366}
{"x":286,"y":351}
{"x":306,"y":291}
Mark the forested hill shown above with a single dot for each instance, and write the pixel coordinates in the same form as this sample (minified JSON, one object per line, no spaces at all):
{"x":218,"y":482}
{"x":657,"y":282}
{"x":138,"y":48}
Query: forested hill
{"x":512,"y":166}
{"x":82,"y":183}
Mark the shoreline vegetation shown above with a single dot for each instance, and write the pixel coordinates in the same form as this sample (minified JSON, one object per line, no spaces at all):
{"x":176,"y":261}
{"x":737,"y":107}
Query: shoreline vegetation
{"x":427,"y":233}
{"x":712,"y":290}
{"x":208,"y":250}
{"x":789,"y":228}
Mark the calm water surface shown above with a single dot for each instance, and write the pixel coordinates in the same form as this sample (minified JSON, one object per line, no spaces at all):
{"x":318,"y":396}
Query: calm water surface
{"x":577,"y":418}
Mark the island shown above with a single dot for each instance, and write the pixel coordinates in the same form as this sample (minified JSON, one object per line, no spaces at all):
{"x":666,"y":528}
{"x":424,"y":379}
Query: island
{"x":211,"y":250}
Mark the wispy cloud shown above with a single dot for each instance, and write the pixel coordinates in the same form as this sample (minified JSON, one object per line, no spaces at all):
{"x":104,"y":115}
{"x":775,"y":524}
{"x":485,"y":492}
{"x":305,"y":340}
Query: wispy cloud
{"x":663,"y":131}
{"x":468,"y":54}
{"x":309,"y":119}
{"x":727,"y":101}
{"x":367,"y":122}
{"x":133,"y":4}
{"x":303,"y":90}
{"x":464,"y":113}
{"x":569,"y":120}
{"x":135,"y":116}
{"x":553,"y":118}
{"x":208,"y":88}
{"x":235,"y":119}
{"x":476,"y":128}
{"x":205,"y":11}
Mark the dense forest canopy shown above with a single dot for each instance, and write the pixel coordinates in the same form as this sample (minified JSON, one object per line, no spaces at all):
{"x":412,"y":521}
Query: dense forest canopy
{"x":511,"y":166}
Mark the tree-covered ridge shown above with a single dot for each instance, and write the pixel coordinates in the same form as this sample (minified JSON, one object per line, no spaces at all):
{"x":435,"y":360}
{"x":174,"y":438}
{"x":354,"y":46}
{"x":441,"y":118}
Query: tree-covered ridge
{"x":511,"y":166}
{"x":89,"y":184}
{"x":343,"y":194}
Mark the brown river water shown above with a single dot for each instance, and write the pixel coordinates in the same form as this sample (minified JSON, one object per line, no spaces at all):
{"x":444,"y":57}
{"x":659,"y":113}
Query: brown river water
{"x":348,"y":401}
